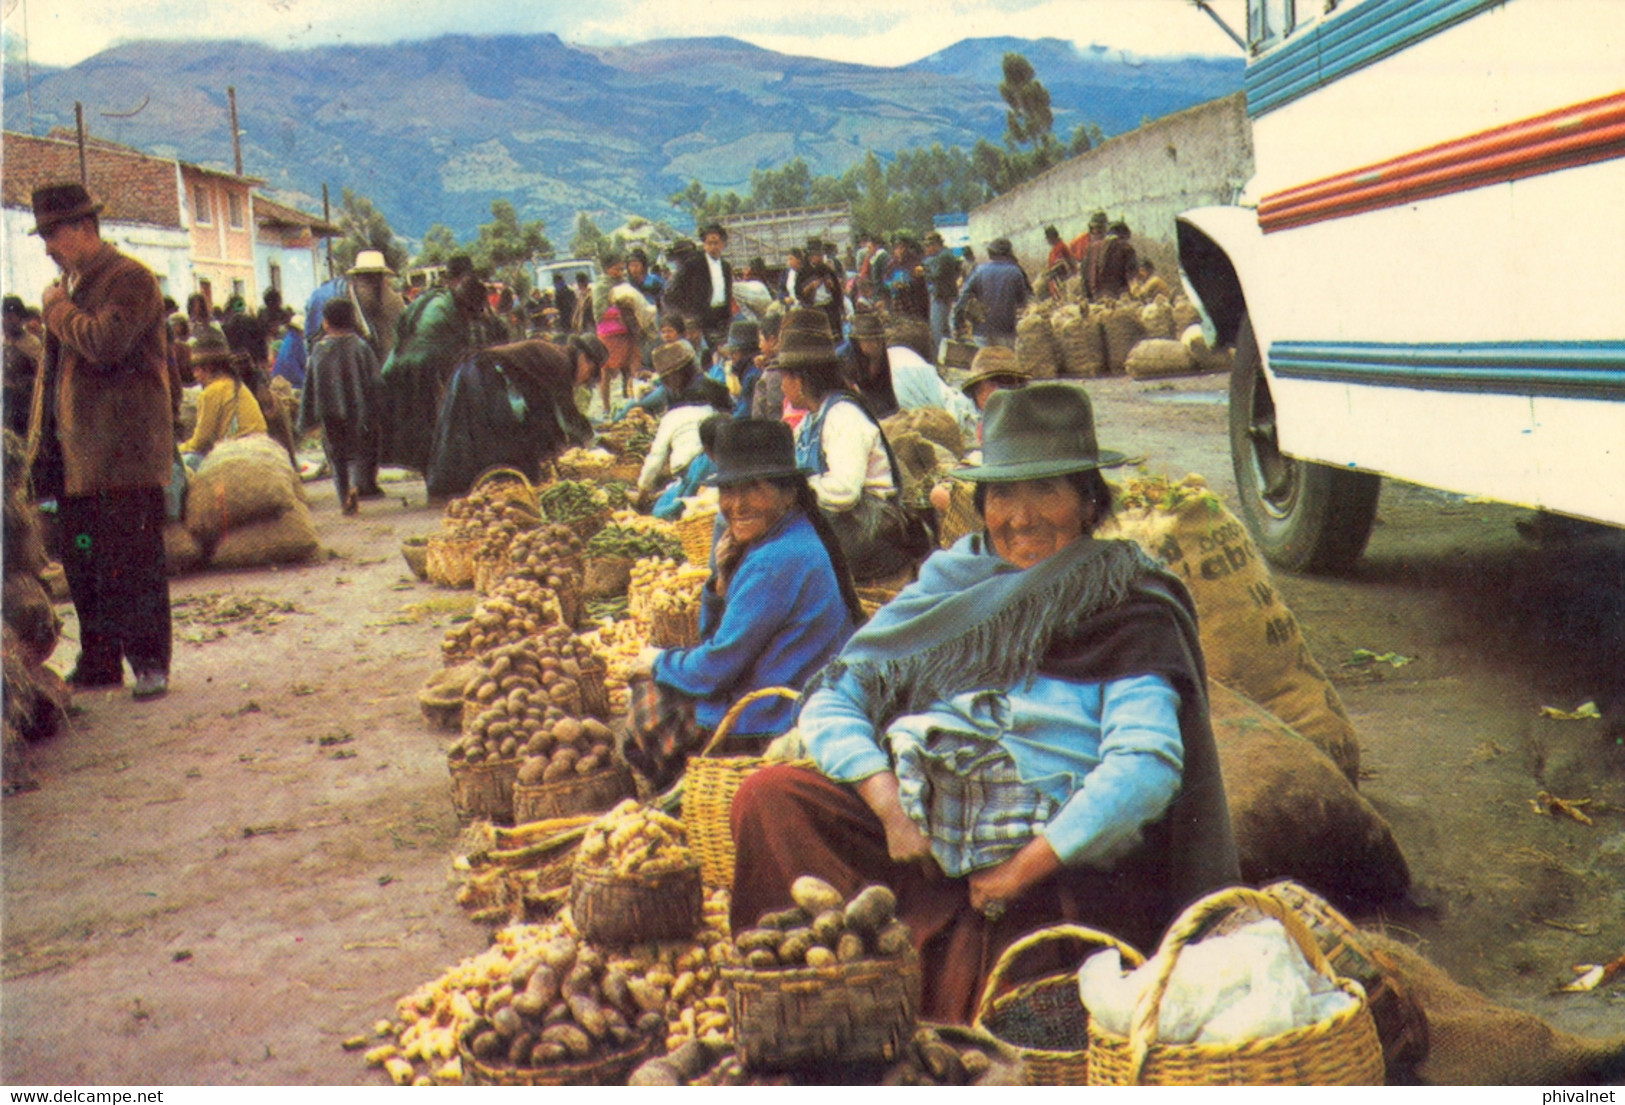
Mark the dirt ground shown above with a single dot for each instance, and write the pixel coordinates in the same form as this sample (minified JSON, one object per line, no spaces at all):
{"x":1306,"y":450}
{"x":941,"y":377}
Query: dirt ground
{"x":219,"y":886}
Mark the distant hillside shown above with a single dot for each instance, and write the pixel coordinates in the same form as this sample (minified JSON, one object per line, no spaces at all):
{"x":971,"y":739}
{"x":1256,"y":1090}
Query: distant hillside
{"x":434,"y":131}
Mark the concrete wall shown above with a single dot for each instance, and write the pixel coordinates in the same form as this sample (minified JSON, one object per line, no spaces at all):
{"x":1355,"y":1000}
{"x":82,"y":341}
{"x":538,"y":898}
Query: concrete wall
{"x":27,"y":270}
{"x":1202,"y":155}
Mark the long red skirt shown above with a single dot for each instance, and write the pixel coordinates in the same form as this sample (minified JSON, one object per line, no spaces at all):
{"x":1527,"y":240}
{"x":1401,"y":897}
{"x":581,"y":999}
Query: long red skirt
{"x":790,"y":821}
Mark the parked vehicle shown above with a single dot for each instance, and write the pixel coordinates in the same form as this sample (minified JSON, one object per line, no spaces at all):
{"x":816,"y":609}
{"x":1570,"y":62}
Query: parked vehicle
{"x":1421,"y":281}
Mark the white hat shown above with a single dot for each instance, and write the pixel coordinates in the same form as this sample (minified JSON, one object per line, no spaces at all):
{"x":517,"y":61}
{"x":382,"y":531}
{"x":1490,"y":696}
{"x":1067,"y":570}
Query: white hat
{"x":369,"y":260}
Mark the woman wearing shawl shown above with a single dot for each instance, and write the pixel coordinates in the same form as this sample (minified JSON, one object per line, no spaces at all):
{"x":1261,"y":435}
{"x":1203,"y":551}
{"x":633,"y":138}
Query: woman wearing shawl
{"x":694,"y":398}
{"x":1019,"y":738}
{"x":856,"y":478}
{"x":778,"y":606}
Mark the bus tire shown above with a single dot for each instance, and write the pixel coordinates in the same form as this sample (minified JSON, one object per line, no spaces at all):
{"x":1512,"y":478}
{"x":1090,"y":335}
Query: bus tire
{"x":1305,"y":517}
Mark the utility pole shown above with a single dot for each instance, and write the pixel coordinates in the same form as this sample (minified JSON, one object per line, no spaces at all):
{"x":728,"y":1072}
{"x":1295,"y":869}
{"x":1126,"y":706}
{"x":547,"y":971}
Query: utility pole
{"x":327,"y":217}
{"x":236,"y":135}
{"x":79,"y":119}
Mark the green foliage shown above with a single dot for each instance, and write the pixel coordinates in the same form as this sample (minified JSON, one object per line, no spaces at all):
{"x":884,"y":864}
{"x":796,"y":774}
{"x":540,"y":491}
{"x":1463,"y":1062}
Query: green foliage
{"x":364,"y":227}
{"x":506,"y":248}
{"x":1085,"y":137}
{"x":439,"y":243}
{"x":588,"y":240}
{"x":1029,"y":121}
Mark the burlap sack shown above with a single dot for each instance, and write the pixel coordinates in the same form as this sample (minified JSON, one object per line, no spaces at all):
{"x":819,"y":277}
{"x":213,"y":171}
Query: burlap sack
{"x":1157,"y":319}
{"x":1294,"y":814}
{"x":24,"y":539}
{"x":1083,"y":344}
{"x":1037,"y":351}
{"x":182,"y":552}
{"x":1155,"y":358}
{"x":912,"y":333}
{"x":1250,"y":638}
{"x":1123,"y":330}
{"x":1206,"y":358}
{"x":1185,"y":314}
{"x":287,"y":538}
{"x":30,"y":616}
{"x":36,"y":698}
{"x":932,"y":423}
{"x":1474,"y":1042}
{"x":241,"y":481}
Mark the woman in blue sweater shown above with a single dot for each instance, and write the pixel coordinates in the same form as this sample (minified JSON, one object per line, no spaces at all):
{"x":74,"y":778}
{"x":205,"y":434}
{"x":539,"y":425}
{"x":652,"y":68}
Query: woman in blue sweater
{"x":779,"y":605}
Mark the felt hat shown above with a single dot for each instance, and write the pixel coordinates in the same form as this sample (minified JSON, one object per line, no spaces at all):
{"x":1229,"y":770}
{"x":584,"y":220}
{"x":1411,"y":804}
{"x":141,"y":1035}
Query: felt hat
{"x":1000,"y":247}
{"x":60,"y":203}
{"x":994,"y":362}
{"x":805,"y":340}
{"x":867,"y":324}
{"x":672,"y":356}
{"x":459,"y":264}
{"x":1098,"y":219}
{"x":369,"y":260}
{"x":209,"y":346}
{"x":815,"y":245}
{"x":754,"y":449}
{"x":680,"y":247}
{"x":744,"y":335}
{"x":13,"y":307}
{"x":1045,"y":429}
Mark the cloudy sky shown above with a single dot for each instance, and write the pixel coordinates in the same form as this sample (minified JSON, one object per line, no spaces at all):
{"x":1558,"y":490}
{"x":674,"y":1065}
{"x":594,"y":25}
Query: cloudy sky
{"x":875,"y":32}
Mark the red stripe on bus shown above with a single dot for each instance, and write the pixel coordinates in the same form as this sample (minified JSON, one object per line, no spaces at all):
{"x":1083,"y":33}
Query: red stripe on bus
{"x":1578,"y":135}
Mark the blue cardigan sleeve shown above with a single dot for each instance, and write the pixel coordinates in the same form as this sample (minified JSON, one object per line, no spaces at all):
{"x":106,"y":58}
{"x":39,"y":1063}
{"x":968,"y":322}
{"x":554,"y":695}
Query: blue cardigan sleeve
{"x":760,"y":600}
{"x":839,"y":736}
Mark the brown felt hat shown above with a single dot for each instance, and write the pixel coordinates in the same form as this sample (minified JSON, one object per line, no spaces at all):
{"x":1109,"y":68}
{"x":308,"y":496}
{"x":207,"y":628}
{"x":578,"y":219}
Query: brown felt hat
{"x":672,"y":356}
{"x":994,"y":362}
{"x":867,"y":324}
{"x":805,"y":340}
{"x":60,"y":203}
{"x":209,"y":347}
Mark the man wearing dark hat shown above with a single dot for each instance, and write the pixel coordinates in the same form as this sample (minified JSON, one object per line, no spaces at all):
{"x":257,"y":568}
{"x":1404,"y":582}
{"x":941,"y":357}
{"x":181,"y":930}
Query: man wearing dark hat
{"x":817,"y":285}
{"x":702,"y":287}
{"x":436,"y":332}
{"x":1003,"y":289}
{"x":102,"y":442}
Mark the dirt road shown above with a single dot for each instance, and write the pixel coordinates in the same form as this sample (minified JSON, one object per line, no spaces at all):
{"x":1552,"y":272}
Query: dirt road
{"x":219,"y":886}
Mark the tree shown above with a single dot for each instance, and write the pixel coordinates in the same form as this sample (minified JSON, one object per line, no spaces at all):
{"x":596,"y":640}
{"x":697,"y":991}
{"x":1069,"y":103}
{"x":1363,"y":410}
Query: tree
{"x":1029,"y":122}
{"x":439,"y":243}
{"x":775,"y":189}
{"x":506,"y":247}
{"x":363,"y":226}
{"x":588,"y":240}
{"x":1085,"y":137}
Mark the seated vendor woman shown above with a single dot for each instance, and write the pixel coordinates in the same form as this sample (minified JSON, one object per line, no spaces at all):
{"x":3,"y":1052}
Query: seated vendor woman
{"x":227,"y":408}
{"x":854,"y":474}
{"x":778,"y":606}
{"x":1020,"y":738}
{"x":694,"y":398}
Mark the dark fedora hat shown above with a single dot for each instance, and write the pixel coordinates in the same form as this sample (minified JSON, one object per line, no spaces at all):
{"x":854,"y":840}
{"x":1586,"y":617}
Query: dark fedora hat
{"x":1044,"y":429}
{"x":754,"y":449}
{"x":805,"y":340}
{"x":744,"y":335}
{"x":60,"y":203}
{"x":209,"y":347}
{"x":867,"y":324}
{"x":672,"y":356}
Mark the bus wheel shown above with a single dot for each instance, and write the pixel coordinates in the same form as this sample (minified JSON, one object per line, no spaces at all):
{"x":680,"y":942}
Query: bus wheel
{"x":1306,"y":517}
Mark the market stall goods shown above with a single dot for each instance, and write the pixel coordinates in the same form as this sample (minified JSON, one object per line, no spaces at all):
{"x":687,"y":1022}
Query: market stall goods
{"x":515,"y":610}
{"x":636,"y":880}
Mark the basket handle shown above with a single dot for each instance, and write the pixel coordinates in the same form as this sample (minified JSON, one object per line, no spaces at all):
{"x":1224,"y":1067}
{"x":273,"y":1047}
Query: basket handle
{"x":731,"y":718}
{"x":491,"y":475}
{"x":1143,"y":1027}
{"x":1007,"y":958}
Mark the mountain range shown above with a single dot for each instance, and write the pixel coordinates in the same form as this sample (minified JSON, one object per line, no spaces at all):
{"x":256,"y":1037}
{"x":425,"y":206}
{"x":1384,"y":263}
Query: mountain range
{"x":433,"y":131}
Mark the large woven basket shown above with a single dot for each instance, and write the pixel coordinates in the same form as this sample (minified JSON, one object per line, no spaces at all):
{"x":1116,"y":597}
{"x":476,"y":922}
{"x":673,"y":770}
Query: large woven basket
{"x":960,"y":518}
{"x":490,"y":571}
{"x":619,"y":910}
{"x":709,"y":785}
{"x":609,"y":1070}
{"x":484,"y":791}
{"x":695,"y":529}
{"x":415,"y":551}
{"x":861,"y":1011}
{"x":591,"y":682}
{"x":1043,"y":1019}
{"x":679,"y":628}
{"x":628,"y":468}
{"x":449,"y":561}
{"x":1342,"y":1050}
{"x":507,"y":483}
{"x":578,"y":794}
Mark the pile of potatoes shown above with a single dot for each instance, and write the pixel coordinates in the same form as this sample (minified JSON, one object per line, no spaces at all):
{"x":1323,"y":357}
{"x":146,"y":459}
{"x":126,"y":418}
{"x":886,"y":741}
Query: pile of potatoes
{"x":524,"y":690}
{"x":550,"y":555}
{"x":929,"y":1060}
{"x":663,"y":585}
{"x":570,"y":747}
{"x":619,"y":643}
{"x":517,"y":609}
{"x":633,"y":839}
{"x":488,"y":511}
{"x":822,"y":929}
{"x":563,"y":1005}
{"x":683,"y":979}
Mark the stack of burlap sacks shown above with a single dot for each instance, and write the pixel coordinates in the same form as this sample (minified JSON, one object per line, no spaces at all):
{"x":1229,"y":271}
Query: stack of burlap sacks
{"x":928,"y":445}
{"x":1086,"y":340}
{"x":36,"y":698}
{"x":245,"y":508}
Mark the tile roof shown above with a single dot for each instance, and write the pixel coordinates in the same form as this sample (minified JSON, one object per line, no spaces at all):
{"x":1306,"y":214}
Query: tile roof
{"x":268,"y":212}
{"x":135,"y":187}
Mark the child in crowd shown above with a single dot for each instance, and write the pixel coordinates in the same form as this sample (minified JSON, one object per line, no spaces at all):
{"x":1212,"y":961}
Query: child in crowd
{"x":342,"y":385}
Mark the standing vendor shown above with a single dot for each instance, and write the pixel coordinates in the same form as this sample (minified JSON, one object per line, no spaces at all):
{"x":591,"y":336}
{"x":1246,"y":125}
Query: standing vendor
{"x":1019,"y":738}
{"x":778,"y":606}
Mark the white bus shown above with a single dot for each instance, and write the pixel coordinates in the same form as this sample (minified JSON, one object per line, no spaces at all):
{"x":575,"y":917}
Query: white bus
{"x":1425,"y":279}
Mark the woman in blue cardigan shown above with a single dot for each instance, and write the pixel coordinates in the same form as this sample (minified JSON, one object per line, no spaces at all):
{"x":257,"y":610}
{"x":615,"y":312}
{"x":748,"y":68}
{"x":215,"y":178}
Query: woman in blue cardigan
{"x":779,"y":605}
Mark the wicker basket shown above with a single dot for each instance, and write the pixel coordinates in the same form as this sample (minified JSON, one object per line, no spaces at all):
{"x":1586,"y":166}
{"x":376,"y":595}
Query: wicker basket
{"x":873,"y":596}
{"x":626,"y":469}
{"x":443,"y":711}
{"x":588,"y":525}
{"x":594,"y":687}
{"x":862,"y":1011}
{"x":1342,"y":1050}
{"x":619,"y":910}
{"x":678,"y":628}
{"x":695,"y":529}
{"x":490,"y":571}
{"x":606,"y":577}
{"x":415,"y":551}
{"x":709,"y":785}
{"x":578,"y":794}
{"x":960,"y":518}
{"x":484,"y":791}
{"x":449,"y":561}
{"x":507,"y":483}
{"x":1044,"y":1019}
{"x":609,"y":1070}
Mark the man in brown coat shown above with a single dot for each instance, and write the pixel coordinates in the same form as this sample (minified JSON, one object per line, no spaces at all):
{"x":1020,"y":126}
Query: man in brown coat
{"x":102,"y":442}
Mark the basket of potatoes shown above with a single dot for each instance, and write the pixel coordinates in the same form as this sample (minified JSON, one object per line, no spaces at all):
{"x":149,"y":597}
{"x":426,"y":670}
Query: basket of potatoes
{"x":636,"y":880}
{"x":551,"y":556}
{"x":517,"y":609}
{"x":569,"y":768}
{"x":569,"y":1021}
{"x":826,"y":981}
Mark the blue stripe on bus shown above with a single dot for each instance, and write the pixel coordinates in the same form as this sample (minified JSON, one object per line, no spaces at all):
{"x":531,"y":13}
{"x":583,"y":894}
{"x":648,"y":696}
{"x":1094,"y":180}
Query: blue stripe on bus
{"x":1580,"y":369}
{"x":1346,"y":42}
